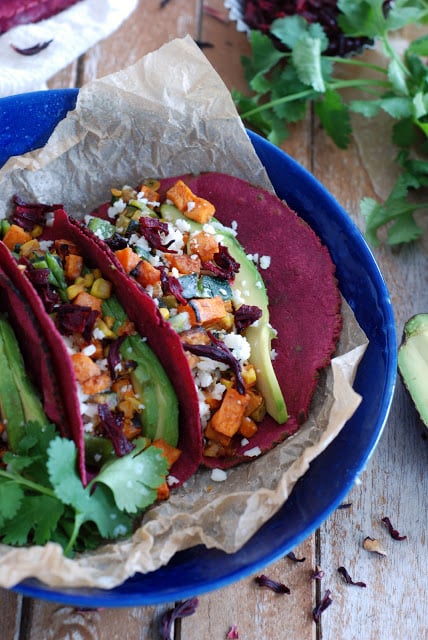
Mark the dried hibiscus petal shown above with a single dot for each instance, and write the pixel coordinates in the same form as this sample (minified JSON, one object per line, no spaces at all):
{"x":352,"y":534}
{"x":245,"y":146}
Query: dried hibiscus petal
{"x":28,"y":214}
{"x":392,"y":532}
{"x":151,"y":229}
{"x":112,"y":424}
{"x":293,"y":557}
{"x":181,"y":610}
{"x":322,"y":606}
{"x":317,"y":573}
{"x":278,"y":587}
{"x":32,"y":51}
{"x":233,"y":634}
{"x":245,"y":315}
{"x":347,"y":578}
{"x":171,"y":286}
{"x":113,"y":358}
{"x":219,"y":352}
{"x":73,"y":318}
{"x":222,"y":265}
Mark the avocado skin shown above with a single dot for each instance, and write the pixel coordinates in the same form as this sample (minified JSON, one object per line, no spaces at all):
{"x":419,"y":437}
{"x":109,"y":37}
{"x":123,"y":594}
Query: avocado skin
{"x":19,"y":401}
{"x":413,"y":362}
{"x":253,"y":292}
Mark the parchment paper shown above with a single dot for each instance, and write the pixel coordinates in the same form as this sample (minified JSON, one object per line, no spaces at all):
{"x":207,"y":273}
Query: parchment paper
{"x":160,"y":118}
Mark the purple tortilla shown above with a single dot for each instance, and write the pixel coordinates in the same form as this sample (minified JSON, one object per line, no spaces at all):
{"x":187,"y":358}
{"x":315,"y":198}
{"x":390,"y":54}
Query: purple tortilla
{"x":303,"y":293}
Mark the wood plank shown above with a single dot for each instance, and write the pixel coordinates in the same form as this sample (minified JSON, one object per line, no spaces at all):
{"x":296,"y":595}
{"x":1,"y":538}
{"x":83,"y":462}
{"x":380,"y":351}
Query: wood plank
{"x":395,"y":483}
{"x":52,"y":621}
{"x":10,"y":614}
{"x":259,"y":613}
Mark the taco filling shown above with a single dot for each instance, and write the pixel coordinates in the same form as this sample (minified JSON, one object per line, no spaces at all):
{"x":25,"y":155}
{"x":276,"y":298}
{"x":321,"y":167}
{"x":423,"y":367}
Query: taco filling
{"x":177,"y":238}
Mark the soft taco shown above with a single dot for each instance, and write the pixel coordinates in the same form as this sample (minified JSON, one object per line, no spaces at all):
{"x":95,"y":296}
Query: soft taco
{"x":181,"y":239}
{"x":103,"y":331}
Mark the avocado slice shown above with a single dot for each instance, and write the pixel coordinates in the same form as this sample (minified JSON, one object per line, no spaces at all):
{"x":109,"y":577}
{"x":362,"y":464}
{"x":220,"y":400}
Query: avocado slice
{"x":19,"y":400}
{"x":413,"y":362}
{"x":249,"y":283}
{"x":159,"y":417}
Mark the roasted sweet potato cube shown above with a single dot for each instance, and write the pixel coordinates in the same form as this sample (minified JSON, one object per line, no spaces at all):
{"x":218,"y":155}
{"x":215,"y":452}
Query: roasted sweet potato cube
{"x":15,"y":235}
{"x":203,"y":245}
{"x":227,"y":419}
{"x":248,"y":427}
{"x":171,"y":453}
{"x":184,"y":263}
{"x":146,"y":274}
{"x":85,"y":299}
{"x":208,"y":311}
{"x":127,"y":258}
{"x":212,"y":434}
{"x":189,"y":204}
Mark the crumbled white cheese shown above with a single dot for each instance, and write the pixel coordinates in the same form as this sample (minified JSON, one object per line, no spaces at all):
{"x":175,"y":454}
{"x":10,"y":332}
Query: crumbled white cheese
{"x":253,"y":453}
{"x":264,"y":262}
{"x":218,"y":475}
{"x":208,"y":228}
{"x":89,"y":350}
{"x":244,"y":442}
{"x":172,"y":480}
{"x":239,"y":346}
{"x":182,"y":225}
{"x":117,"y":207}
{"x":191,"y":205}
{"x":45,"y":244}
{"x":273,"y":354}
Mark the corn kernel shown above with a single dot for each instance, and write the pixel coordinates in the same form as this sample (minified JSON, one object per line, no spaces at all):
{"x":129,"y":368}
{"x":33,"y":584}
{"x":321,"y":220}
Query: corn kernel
{"x":164,"y":312}
{"x":101,"y":326}
{"x":249,"y":375}
{"x":88,"y":280}
{"x":109,"y":320}
{"x":37,"y":231}
{"x":116,"y":193}
{"x":101,"y":289}
{"x":28,"y":247}
{"x":74,"y":289}
{"x":97,"y":273}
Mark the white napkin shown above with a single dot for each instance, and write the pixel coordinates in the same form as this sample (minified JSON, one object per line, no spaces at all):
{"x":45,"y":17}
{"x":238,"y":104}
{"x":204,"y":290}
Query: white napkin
{"x":72,"y":31}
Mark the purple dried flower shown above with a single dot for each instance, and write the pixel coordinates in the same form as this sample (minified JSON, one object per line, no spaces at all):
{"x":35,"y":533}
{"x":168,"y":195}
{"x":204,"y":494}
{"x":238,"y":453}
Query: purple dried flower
{"x":32,"y":51}
{"x":317,"y":573}
{"x":113,"y":357}
{"x":73,"y":318}
{"x":347,"y":578}
{"x":232,"y":634}
{"x":246,"y":315}
{"x":293,"y":557}
{"x":181,"y":610}
{"x":112,"y":424}
{"x":392,"y":532}
{"x":28,"y":214}
{"x":151,"y":228}
{"x":222,"y":265}
{"x":278,"y":587}
{"x":171,"y":286}
{"x":322,"y":606}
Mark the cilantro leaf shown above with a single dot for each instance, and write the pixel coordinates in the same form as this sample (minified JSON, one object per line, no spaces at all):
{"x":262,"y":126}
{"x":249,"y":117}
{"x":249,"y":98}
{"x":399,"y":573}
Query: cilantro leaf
{"x":306,"y":57}
{"x":362,"y":17}
{"x":11,"y":496}
{"x":334,"y":117}
{"x":144,"y":469}
{"x":419,"y":46}
{"x":96,"y":506}
{"x":290,"y":30}
{"x":35,"y":520}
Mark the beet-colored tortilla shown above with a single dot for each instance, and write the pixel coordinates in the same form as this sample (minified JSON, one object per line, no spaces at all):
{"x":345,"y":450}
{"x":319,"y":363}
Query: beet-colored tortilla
{"x":164,"y":342}
{"x":302,"y":289}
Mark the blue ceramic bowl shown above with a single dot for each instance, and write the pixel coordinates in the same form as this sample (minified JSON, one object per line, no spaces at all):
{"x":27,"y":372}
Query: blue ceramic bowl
{"x":25,"y":123}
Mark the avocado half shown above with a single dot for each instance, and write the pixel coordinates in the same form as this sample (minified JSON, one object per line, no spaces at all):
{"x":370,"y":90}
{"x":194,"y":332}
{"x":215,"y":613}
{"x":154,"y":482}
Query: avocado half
{"x":413,"y":362}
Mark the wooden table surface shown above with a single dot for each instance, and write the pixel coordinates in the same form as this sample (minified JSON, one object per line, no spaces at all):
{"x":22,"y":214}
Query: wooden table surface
{"x":394,"y":604}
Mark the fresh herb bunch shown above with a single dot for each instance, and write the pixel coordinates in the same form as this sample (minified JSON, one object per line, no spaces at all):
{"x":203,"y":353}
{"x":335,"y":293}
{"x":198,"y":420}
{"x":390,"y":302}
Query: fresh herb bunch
{"x":286,"y":79}
{"x":42,"y":497}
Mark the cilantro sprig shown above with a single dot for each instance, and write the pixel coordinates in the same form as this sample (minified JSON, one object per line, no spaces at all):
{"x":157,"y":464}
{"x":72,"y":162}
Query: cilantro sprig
{"x":285,"y":79}
{"x":42,"y":498}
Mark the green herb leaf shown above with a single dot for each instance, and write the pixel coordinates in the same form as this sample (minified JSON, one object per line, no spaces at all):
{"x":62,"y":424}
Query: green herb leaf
{"x":362,"y":18}
{"x":419,"y":46}
{"x":334,"y":117}
{"x":306,"y":57}
{"x":11,"y":496}
{"x":145,"y":470}
{"x":36,"y":519}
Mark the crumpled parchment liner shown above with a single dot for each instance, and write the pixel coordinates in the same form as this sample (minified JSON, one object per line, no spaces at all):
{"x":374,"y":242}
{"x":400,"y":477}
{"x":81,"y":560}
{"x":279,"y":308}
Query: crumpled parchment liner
{"x":157,"y":118}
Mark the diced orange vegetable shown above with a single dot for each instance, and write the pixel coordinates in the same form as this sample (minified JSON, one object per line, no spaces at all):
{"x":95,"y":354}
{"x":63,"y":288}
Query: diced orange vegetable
{"x":123,"y":387}
{"x":163,"y":491}
{"x":127,"y":258}
{"x":130,"y":430}
{"x":65,"y":247}
{"x":198,"y":335}
{"x":146,"y":274}
{"x":256,"y":407}
{"x":96,"y":384}
{"x":189,"y":204}
{"x":171,"y":453}
{"x":98,"y":353}
{"x":212,"y":434}
{"x":249,"y":375}
{"x":84,"y":367}
{"x":130,"y":406}
{"x":15,"y":235}
{"x":149,"y":193}
{"x":73,"y":265}
{"x":208,"y":311}
{"x":85,"y":299}
{"x":248,"y":427}
{"x":204,"y":245}
{"x":126,"y":329}
{"x":227,"y":419}
{"x":184,"y":263}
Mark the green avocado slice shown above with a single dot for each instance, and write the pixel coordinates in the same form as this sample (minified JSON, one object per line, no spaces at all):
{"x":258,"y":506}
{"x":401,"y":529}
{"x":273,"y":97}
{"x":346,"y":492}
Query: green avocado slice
{"x":249,"y":285}
{"x":413,"y":362}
